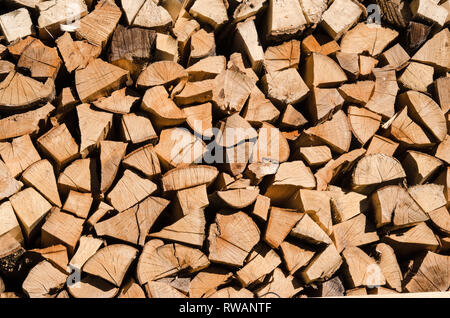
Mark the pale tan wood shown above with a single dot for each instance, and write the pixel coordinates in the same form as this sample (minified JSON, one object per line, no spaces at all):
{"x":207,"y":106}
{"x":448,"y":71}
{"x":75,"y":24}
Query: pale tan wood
{"x":290,"y":177}
{"x":131,"y":289}
{"x":322,"y":266}
{"x":199,"y":118}
{"x":340,"y":17}
{"x":57,"y":15}
{"x":388,"y":264}
{"x":152,"y":16}
{"x":99,"y":79}
{"x":78,"y":204}
{"x":347,"y":205}
{"x":261,"y":261}
{"x":9,"y":222}
{"x":442,"y":88}
{"x":92,"y":287}
{"x":356,"y":231}
{"x":335,"y":132}
{"x":425,"y":111}
{"x":433,"y":52}
{"x":8,"y":185}
{"x":380,"y":144}
{"x":366,"y":65}
{"x":59,"y":144}
{"x":130,"y":9}
{"x":285,"y":87}
{"x":417,"y":76}
{"x":323,"y":102}
{"x":202,"y":45}
{"x":284,"y":19}
{"x":44,"y":281}
{"x":212,"y":12}
{"x":313,"y":10}
{"x":237,"y":60}
{"x":419,"y":167}
{"x":383,"y":98}
{"x":129,"y":190}
{"x":233,"y":130}
{"x":322,"y":71}
{"x":418,"y":238}
{"x":102,"y":210}
{"x":444,"y":179}
{"x":271,"y":145}
{"x":183,"y":29}
{"x":394,"y":204}
{"x":189,"y":176}
{"x":231,"y":238}
{"x":315,"y":156}
{"x":349,"y":62}
{"x":246,"y":39}
{"x":94,"y":127}
{"x":190,"y":229}
{"x":191,"y":199}
{"x":162,"y":290}
{"x":88,"y":246}
{"x":61,"y":228}
{"x":295,"y":256}
{"x":19,"y":91}
{"x":16,"y":24}
{"x":30,"y":208}
{"x":19,"y":154}
{"x":359,"y":92}
{"x":406,"y":131}
{"x":206,"y":282}
{"x":261,"y":207}
{"x":144,"y":160}
{"x":331,"y":288}
{"x":118,"y":102}
{"x":280,"y":57}
{"x":375,"y":170}
{"x":232,"y":292}
{"x":56,"y":255}
{"x":361,"y":269}
{"x":396,"y":57}
{"x":370,"y":38}
{"x":42,"y":61}
{"x":334,"y":168}
{"x":432,"y":275}
{"x":429,"y":10}
{"x":123,"y":226}
{"x":137,"y":129}
{"x":80,"y":176}
{"x":158,"y":260}
{"x":363,"y":122}
{"x":309,"y":231}
{"x":428,"y":196}
{"x":207,"y":68}
{"x":248,"y":9}
{"x":161,"y":73}
{"x":195,"y":92}
{"x":111,"y":263}
{"x":291,"y":118}
{"x":316,"y":204}
{"x":76,"y":54}
{"x":41,"y":176}
{"x":98,"y":26}
{"x":5,"y":68}
{"x":166,"y":48}
{"x":111,"y":154}
{"x":279,"y":225}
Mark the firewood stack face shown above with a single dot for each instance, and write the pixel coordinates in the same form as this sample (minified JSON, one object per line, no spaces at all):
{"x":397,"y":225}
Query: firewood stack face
{"x":214,"y":148}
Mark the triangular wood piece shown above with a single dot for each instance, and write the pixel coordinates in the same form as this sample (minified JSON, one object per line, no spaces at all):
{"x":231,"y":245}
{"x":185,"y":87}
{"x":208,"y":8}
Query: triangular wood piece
{"x":199,"y":118}
{"x":10,"y":225}
{"x":164,"y":111}
{"x":56,"y":255}
{"x":295,"y":257}
{"x":18,"y":91}
{"x":161,"y":73}
{"x":207,"y":68}
{"x":94,"y":127}
{"x":354,"y":232}
{"x":323,"y":102}
{"x":80,"y":175}
{"x":152,"y":16}
{"x":347,"y":205}
{"x":212,"y":12}
{"x":122,"y":226}
{"x":428,"y":196}
{"x":359,"y":92}
{"x":285,"y":87}
{"x":280,"y":224}
{"x":280,"y":57}
{"x":44,"y":281}
{"x":87,"y":247}
{"x":383,"y":98}
{"x":434,"y":51}
{"x":271,"y":145}
{"x":76,"y":54}
{"x":259,"y":109}
{"x":111,"y":154}
{"x":441,"y":219}
{"x":419,"y":166}
{"x":206,"y":282}
{"x":292,"y":118}
{"x":322,"y":71}
{"x":364,"y":123}
{"x":160,"y":289}
{"x":308,"y":230}
{"x":119,"y":102}
{"x":137,"y":129}
{"x":78,"y":203}
{"x":19,"y":154}
{"x":99,"y":79}
{"x":369,"y":38}
{"x":361,"y":269}
{"x":42,"y":61}
{"x":41,"y":176}
{"x":144,"y":160}
{"x":322,"y":266}
{"x":387,"y":261}
{"x":190,"y":229}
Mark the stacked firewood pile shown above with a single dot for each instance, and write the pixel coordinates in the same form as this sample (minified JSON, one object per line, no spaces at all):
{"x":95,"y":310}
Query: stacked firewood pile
{"x":214,"y":148}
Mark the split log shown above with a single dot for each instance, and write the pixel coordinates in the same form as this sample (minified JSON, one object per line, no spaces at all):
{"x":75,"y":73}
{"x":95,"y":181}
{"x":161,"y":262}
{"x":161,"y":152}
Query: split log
{"x":347,"y":205}
{"x":367,"y":38}
{"x":78,"y":204}
{"x":285,"y":87}
{"x":349,"y":62}
{"x":9,"y":224}
{"x":433,"y":51}
{"x":87,"y":247}
{"x":380,"y":144}
{"x":131,"y":290}
{"x":261,"y":207}
{"x":444,"y":179}
{"x":80,"y":175}
{"x":144,"y":160}
{"x":248,"y":9}
{"x":387,"y":262}
{"x":207,"y":68}
{"x":384,"y":94}
{"x":161,"y":73}
{"x":111,"y":263}
{"x":11,"y":252}
{"x":429,"y":10}
{"x":61,"y":228}
{"x":199,"y":119}
{"x":30,"y":208}
{"x":364,"y":123}
{"x":41,"y":176}
{"x":309,"y":231}
{"x":291,"y":118}
{"x":189,"y":176}
{"x":19,"y":91}
{"x":359,"y":92}
{"x":442,"y":151}
{"x":55,"y":255}
{"x":16,"y":24}
{"x":8,"y":184}
{"x":417,"y":34}
{"x":442,"y":87}
{"x":137,"y":129}
{"x":231,"y":238}
{"x":313,"y":10}
{"x":246,"y":39}
{"x":295,"y":257}
{"x":191,"y":199}
{"x":419,"y":167}
{"x":366,"y":65}
{"x":212,"y":12}
{"x":315,"y":156}
{"x":393,"y":204}
{"x":111,"y":154}
{"x":323,"y":103}
{"x":356,"y":231}
{"x":195,"y":93}
{"x":335,"y":22}
{"x":331,"y":288}
{"x":162,"y":290}
{"x":283,"y":56}
{"x":279,"y":225}
{"x":428,"y":196}
{"x":92,"y":287}
{"x":431,"y":275}
{"x":396,"y":57}
{"x":183,"y":29}
{"x":99,"y":79}
{"x":202,"y":45}
{"x":285,"y":19}
{"x":322,"y":266}
{"x":232,"y":292}
{"x":417,"y":76}
{"x":118,"y":102}
{"x":396,"y":12}
{"x":376,"y":170}
{"x":44,"y":281}
{"x":42,"y":61}
{"x":76,"y":54}
{"x":166,"y":48}
{"x":19,"y":154}
{"x":152,"y":16}
{"x":206,"y":282}
{"x":315,"y":74}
